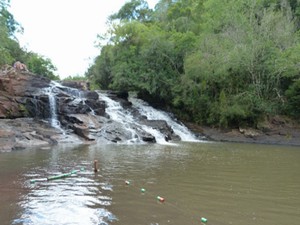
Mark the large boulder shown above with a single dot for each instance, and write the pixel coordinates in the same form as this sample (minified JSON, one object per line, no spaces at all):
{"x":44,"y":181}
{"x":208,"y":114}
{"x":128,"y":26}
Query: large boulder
{"x":24,"y":132}
{"x":22,"y":84}
{"x":17,"y":90}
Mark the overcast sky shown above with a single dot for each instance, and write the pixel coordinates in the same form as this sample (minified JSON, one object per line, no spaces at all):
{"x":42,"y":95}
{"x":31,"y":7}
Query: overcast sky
{"x":65,"y":31}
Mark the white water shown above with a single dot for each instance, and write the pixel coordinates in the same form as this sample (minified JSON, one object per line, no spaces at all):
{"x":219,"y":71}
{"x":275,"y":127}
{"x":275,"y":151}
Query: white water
{"x":54,"y":121}
{"x":125,"y":118}
{"x":77,"y":94}
{"x":52,"y":104}
{"x":154,"y":114}
{"x":54,"y":86}
{"x":70,"y":91}
{"x":118,"y":114}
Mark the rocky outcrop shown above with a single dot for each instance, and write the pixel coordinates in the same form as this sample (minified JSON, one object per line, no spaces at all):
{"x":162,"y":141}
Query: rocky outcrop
{"x":274,"y":130}
{"x":81,"y":85}
{"x":17,"y":91}
{"x":23,"y":132}
{"x":28,"y":102}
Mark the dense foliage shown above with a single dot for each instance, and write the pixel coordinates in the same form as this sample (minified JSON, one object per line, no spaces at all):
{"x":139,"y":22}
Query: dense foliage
{"x":224,"y":63}
{"x":10,"y":50}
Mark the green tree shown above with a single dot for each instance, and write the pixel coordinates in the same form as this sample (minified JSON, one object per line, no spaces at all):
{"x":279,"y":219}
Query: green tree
{"x":7,"y":19}
{"x":9,"y":47}
{"x":225,"y":63}
{"x":41,"y":66}
{"x":133,"y":10}
{"x":243,"y":57}
{"x":181,"y":15}
{"x":293,"y":97}
{"x":143,"y":58}
{"x":10,"y":50}
{"x":100,"y":72}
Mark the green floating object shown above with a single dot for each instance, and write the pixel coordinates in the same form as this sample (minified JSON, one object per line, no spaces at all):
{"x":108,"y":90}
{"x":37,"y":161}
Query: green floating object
{"x":143,"y":190}
{"x":203,"y":220}
{"x":60,"y":176}
{"x":56,"y":176}
{"x":38,"y":180}
{"x":74,"y":171}
{"x":63,"y":175}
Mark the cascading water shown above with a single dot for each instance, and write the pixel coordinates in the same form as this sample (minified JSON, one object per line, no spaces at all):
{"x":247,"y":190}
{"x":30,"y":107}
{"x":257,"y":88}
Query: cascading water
{"x":123,"y":121}
{"x":51,"y":92}
{"x":119,"y":114}
{"x":154,"y":114}
{"x":77,"y":94}
{"x":56,"y":87}
{"x":52,"y":104}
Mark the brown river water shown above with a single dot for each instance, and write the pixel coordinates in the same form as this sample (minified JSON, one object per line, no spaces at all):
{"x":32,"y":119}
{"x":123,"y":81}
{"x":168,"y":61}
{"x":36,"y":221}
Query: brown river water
{"x":225,"y":183}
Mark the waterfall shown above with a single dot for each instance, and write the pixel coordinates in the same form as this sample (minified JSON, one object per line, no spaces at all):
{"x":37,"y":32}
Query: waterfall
{"x":127,"y":120}
{"x":52,"y":105}
{"x":51,"y":92}
{"x":54,"y":122}
{"x":153,"y":114}
{"x":128,"y":123}
{"x":69,"y":90}
{"x":74,"y":92}
{"x":118,"y":114}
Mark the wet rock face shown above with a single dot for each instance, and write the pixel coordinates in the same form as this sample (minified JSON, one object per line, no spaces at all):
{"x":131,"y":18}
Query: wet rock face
{"x":23,"y":132}
{"x":27,"y":102}
{"x":22,"y":84}
{"x":163,"y":127}
{"x":80,"y":85}
{"x":17,"y":90}
{"x":71,"y":105}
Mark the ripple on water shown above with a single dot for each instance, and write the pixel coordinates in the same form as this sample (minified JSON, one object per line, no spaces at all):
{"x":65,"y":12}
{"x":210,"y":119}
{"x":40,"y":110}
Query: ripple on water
{"x":74,"y":200}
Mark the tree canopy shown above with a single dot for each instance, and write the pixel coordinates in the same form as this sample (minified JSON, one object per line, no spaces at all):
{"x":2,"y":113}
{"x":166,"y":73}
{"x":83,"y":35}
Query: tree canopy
{"x":223,"y":63}
{"x":11,"y":51}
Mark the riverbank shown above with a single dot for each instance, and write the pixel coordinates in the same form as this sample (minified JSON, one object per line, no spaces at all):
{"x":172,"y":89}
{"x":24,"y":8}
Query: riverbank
{"x":35,"y":111}
{"x":277,"y":130}
{"x":27,"y":132}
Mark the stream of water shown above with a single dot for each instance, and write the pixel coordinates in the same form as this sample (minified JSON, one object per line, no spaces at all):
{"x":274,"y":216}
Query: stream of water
{"x":226,"y":183}
{"x":117,"y":113}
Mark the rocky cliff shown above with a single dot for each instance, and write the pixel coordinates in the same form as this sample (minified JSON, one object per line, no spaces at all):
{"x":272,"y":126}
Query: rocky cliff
{"x":28,"y":102}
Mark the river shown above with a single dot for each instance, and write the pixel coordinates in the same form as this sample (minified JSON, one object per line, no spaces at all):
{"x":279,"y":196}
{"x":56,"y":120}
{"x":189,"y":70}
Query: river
{"x":224,"y":183}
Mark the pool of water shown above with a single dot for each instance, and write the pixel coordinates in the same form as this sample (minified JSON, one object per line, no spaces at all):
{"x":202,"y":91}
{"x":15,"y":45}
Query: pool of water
{"x":225,"y":183}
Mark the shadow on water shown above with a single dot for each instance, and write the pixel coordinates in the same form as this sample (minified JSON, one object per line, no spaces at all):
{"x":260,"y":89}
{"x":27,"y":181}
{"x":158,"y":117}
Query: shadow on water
{"x":223,"y":182}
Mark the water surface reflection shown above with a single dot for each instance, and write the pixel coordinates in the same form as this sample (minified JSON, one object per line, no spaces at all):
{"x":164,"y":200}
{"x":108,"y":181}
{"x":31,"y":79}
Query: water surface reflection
{"x":81,"y":198}
{"x":223,"y":182}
